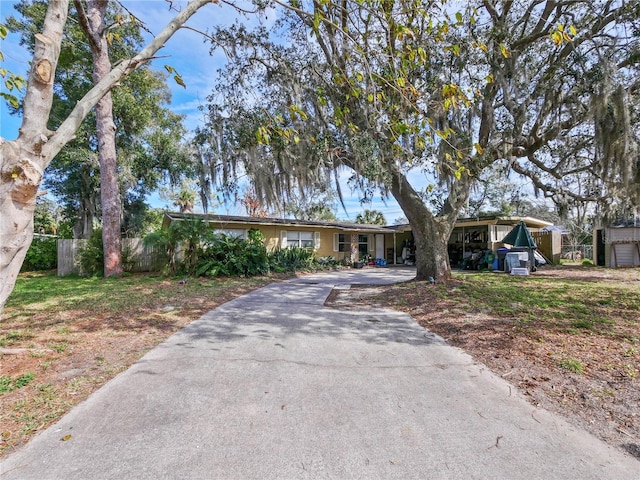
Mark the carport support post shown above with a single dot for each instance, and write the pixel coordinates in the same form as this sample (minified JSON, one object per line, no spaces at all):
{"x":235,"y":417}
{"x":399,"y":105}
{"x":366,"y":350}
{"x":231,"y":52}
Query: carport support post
{"x":463,"y":244}
{"x":395,"y":251}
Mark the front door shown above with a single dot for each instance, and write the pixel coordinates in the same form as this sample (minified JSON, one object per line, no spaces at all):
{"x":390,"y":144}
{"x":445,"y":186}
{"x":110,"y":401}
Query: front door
{"x":380,"y":245}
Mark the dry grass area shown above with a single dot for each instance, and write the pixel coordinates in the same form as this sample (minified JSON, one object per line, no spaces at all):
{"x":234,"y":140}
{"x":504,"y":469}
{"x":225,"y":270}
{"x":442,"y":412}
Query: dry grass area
{"x":63,"y":338}
{"x":568,"y":337}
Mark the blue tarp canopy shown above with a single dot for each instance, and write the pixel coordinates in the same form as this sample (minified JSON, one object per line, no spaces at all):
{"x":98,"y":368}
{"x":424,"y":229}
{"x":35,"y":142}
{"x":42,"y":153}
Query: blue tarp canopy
{"x":520,"y":236}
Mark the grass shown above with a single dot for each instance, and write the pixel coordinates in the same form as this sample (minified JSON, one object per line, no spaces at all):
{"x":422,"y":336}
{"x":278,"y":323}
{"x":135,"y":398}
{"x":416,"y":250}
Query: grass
{"x":572,"y":364}
{"x":577,"y":304}
{"x":73,"y":334}
{"x":8,"y":384}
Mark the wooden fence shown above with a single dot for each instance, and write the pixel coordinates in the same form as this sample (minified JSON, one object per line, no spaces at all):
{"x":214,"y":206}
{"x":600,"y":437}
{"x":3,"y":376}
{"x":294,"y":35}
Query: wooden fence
{"x":550,"y":244}
{"x":143,"y":259}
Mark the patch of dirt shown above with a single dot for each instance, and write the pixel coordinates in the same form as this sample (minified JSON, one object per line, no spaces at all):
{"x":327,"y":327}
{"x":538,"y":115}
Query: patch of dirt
{"x":600,"y":392}
{"x":65,"y":354}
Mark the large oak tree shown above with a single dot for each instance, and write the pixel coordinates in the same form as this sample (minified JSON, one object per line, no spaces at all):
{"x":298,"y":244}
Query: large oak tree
{"x":394,"y":88}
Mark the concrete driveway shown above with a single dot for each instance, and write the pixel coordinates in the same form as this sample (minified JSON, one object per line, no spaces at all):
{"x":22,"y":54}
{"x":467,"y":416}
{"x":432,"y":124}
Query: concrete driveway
{"x":273,"y":385}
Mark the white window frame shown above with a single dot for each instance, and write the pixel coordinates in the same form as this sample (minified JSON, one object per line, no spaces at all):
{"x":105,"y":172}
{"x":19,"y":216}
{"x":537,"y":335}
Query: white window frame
{"x":286,"y":236}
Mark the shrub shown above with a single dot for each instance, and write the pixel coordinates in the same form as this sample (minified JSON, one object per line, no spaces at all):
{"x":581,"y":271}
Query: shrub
{"x":91,"y":256}
{"x":587,"y":261}
{"x":327,"y":262}
{"x":42,"y":255}
{"x":222,"y":255}
{"x":291,"y":259}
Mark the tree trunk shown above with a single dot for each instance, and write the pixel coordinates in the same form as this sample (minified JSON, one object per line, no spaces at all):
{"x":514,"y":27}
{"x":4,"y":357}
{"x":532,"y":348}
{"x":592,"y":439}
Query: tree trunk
{"x":96,"y":30}
{"x":431,"y":233}
{"x":432,"y":255}
{"x":23,"y":161}
{"x":18,"y":189}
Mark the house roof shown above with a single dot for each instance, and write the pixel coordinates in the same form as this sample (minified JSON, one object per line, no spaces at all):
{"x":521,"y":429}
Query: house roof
{"x":285,"y":222}
{"x":498,"y":220}
{"x":490,"y":220}
{"x":630,"y":223}
{"x":345,"y":226}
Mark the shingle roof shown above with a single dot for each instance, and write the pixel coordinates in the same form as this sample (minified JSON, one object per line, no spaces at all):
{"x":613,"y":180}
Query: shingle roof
{"x":225,"y":219}
{"x":346,"y":226}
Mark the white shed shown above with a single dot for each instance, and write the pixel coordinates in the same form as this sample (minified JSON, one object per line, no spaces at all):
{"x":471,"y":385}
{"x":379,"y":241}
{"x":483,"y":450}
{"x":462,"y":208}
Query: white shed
{"x":618,"y":245}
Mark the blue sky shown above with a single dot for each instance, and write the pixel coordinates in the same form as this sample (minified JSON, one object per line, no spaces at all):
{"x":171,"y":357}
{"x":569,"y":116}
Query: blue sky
{"x":189,"y":55}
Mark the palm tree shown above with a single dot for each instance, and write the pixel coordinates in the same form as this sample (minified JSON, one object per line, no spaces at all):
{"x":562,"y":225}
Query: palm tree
{"x":185,"y":201}
{"x":371,"y":217}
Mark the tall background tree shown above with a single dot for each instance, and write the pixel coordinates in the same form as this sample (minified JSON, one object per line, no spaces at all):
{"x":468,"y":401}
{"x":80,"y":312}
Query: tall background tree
{"x":147,"y":134}
{"x":23,"y":160}
{"x":395,"y":89}
{"x":92,"y":17}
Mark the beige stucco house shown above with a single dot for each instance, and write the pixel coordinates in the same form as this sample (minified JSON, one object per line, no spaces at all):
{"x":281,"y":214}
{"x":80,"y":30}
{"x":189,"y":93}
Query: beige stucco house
{"x":354,"y":241}
{"x":336,"y":239}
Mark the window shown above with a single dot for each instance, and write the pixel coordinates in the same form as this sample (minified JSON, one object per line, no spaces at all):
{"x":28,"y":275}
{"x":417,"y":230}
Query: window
{"x":232,"y":232}
{"x":342,"y":243}
{"x":290,"y":239}
{"x":363,"y":245}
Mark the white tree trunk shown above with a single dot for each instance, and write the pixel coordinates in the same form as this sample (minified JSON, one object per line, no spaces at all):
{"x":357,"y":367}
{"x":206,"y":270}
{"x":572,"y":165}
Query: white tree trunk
{"x":22,"y":161}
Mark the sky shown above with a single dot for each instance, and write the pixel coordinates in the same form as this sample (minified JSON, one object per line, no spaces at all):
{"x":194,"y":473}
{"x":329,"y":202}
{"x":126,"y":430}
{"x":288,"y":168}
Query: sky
{"x":189,"y":55}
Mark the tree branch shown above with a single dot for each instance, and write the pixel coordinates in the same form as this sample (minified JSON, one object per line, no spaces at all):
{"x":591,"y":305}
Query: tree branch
{"x":67,"y":129}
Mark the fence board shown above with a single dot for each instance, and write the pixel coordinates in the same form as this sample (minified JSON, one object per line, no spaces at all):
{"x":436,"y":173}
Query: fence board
{"x":67,"y":252}
{"x":550,"y":244}
{"x":143,"y":259}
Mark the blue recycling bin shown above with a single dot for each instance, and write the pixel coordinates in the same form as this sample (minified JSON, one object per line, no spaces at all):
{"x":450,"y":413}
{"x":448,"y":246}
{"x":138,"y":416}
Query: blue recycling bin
{"x":502,"y":254}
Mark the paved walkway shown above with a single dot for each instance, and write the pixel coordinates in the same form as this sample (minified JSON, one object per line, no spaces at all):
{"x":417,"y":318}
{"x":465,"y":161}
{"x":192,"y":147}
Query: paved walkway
{"x":273,"y":385}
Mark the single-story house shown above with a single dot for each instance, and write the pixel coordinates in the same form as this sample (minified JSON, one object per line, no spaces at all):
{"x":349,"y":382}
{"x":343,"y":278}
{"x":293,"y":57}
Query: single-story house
{"x":617,"y":245}
{"x":337,"y":239}
{"x":354,"y":241}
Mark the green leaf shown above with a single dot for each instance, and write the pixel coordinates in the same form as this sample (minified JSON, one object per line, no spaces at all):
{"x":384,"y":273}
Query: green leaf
{"x":11,"y":99}
{"x":422,"y":54}
{"x":179,"y":80}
